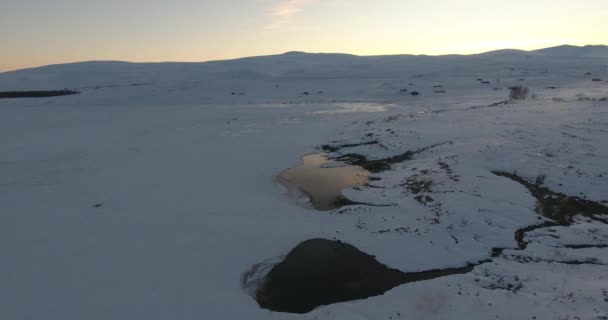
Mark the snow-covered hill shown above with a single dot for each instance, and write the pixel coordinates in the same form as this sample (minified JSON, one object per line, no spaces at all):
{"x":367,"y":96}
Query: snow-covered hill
{"x":291,"y":66}
{"x":576,"y":52}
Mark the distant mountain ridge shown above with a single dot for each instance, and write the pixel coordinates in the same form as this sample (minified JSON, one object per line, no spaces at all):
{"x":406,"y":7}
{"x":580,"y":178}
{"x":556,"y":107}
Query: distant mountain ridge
{"x":291,"y":65}
{"x":588,"y":51}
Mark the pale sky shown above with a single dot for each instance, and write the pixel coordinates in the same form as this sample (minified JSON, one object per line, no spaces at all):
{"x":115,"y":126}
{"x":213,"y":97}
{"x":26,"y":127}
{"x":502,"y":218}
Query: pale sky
{"x":40,"y":32}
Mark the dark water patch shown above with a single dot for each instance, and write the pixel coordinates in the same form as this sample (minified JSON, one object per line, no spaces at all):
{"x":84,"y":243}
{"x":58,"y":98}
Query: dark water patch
{"x":385,"y":164}
{"x":36,"y":94}
{"x":555,"y":205}
{"x":321,"y":272}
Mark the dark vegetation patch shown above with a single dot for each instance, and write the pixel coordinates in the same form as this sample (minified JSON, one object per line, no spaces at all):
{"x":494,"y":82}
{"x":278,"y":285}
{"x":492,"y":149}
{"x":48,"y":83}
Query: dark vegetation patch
{"x":520,"y":234}
{"x":448,"y":170}
{"x":519,"y":93}
{"x":496,"y":104}
{"x":392,"y":118}
{"x":492,"y":105}
{"x":380,"y":165}
{"x":415,"y":93}
{"x":585,"y":246}
{"x":321,"y":272}
{"x":107,"y":86}
{"x":420,"y":186}
{"x":36,"y":94}
{"x":343,"y":201}
{"x":334,"y":148}
{"x":513,"y":284}
{"x":528,"y":259}
{"x":555,"y":205}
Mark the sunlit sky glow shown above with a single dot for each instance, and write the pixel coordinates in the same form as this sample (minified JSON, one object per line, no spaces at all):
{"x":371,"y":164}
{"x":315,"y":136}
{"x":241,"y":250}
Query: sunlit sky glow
{"x":36,"y":32}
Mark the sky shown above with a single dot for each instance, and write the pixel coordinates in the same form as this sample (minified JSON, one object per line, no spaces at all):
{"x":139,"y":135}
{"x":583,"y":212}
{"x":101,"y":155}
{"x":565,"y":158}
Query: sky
{"x":41,"y":32}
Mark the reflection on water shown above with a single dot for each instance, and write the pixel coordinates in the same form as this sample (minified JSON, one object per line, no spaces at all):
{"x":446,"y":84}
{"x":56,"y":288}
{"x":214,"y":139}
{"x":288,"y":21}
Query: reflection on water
{"x":322,"y":186}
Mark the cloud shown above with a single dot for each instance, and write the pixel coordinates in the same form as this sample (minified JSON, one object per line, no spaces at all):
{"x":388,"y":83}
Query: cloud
{"x":284,"y":11}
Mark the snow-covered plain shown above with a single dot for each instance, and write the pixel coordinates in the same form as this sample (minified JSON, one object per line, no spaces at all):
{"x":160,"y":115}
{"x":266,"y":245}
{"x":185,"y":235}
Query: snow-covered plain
{"x":151,"y":193}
